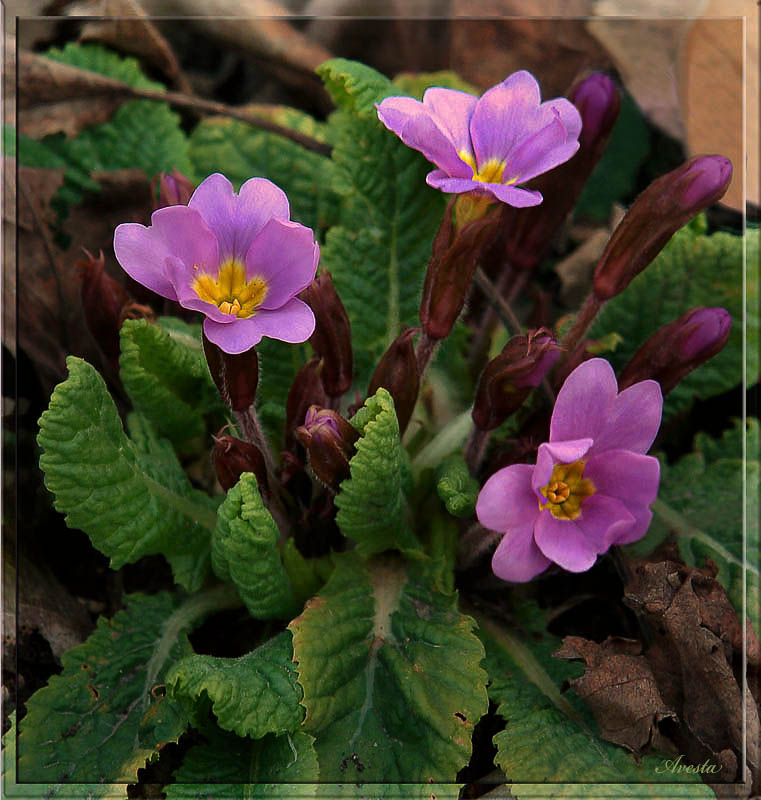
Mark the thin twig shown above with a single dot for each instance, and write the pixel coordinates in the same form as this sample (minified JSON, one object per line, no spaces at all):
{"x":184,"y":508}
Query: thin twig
{"x":500,"y":305}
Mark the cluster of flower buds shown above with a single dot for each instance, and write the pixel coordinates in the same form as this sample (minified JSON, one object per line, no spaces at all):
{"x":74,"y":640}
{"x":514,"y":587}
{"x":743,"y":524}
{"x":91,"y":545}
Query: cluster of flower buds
{"x":331,"y":339}
{"x":329,"y":440}
{"x":306,"y":390}
{"x":676,"y":349}
{"x":233,"y":457}
{"x":527,"y":232}
{"x":174,"y":189}
{"x":235,"y":375}
{"x":508,"y":379}
{"x":664,"y":207}
{"x":103,"y":299}
{"x":399,"y":374}
{"x":455,"y":255}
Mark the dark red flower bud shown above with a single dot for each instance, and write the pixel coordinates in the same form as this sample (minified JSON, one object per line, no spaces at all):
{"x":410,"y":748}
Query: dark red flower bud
{"x":102,"y":299}
{"x":329,"y":440}
{"x":235,"y":375}
{"x":528,"y":231}
{"x":233,"y":457}
{"x":306,"y":390}
{"x":666,"y":205}
{"x":174,"y":189}
{"x":676,"y":349}
{"x":398,"y":373}
{"x":454,"y":258}
{"x":331,"y":339}
{"x":508,"y":379}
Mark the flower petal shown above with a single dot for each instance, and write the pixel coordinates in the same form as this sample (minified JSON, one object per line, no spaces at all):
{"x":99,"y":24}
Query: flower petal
{"x":504,"y":114}
{"x":563,"y":542}
{"x":142,"y":253}
{"x":634,"y":419}
{"x":540,"y":152}
{"x":642,"y":518}
{"x":506,"y":500}
{"x":187,"y":296}
{"x":629,"y":477}
{"x":234,"y":337}
{"x":517,"y":558}
{"x":519,"y":198}
{"x":293,"y":322}
{"x":236,"y":219}
{"x":412,"y":122}
{"x":285,"y":255}
{"x":452,"y":110}
{"x":551,"y":453}
{"x":584,"y":402}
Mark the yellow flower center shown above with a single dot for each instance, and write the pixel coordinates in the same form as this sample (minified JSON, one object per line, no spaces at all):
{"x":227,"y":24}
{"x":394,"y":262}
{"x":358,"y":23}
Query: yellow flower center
{"x":230,"y":291}
{"x":490,"y":172}
{"x":566,"y":489}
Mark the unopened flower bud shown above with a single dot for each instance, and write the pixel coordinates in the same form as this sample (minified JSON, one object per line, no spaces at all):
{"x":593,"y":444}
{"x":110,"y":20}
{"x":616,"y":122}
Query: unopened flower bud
{"x":454,"y":259}
{"x":174,"y":189}
{"x":306,"y":390}
{"x":666,"y":205}
{"x":236,"y":375}
{"x":676,"y":349}
{"x":329,"y":440}
{"x":102,"y":299}
{"x":398,"y":373}
{"x":528,"y":232}
{"x":331,"y":339}
{"x":508,"y":379}
{"x":233,"y":457}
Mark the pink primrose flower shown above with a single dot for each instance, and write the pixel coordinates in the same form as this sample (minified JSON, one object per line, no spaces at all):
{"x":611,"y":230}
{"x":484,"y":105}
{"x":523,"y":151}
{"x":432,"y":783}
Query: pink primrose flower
{"x":235,"y":257}
{"x":490,"y":144}
{"x":592,"y":484}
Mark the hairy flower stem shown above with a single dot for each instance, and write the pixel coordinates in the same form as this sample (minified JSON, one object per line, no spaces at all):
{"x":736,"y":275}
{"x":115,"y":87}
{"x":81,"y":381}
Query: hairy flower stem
{"x":500,"y":305}
{"x":474,"y":543}
{"x":574,"y":338}
{"x":482,"y":339}
{"x":476,"y":449}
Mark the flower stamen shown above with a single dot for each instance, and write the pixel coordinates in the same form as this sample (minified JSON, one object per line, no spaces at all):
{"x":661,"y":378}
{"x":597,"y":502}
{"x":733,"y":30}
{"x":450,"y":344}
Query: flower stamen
{"x":566,"y":490}
{"x":230,"y":291}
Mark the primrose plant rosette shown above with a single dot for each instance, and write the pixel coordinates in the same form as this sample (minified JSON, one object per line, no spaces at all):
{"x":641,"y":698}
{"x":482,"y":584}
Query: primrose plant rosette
{"x":238,"y":258}
{"x":487,"y":145}
{"x":591,"y":486}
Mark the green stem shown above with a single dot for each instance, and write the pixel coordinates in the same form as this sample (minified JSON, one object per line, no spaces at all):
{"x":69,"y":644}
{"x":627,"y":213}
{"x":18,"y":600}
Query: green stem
{"x":446,"y":441}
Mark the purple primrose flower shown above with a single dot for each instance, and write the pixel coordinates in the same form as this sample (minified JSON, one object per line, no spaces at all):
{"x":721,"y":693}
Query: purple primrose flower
{"x":592,"y":484}
{"x":491,"y":144}
{"x":236,"y":257}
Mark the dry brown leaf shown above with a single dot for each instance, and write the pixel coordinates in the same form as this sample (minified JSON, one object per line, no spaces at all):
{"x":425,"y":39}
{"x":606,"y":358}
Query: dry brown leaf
{"x":125,"y":26}
{"x":55,"y":97}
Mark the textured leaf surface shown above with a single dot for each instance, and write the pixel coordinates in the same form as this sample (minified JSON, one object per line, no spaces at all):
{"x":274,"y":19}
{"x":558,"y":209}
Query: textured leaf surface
{"x":130,"y":496}
{"x":253,"y":695}
{"x":457,"y":489}
{"x":700,"y":500}
{"x":379,"y":250}
{"x":692,"y":270}
{"x":242,"y":152}
{"x":99,"y":721}
{"x":549,"y":740}
{"x":165,"y":375}
{"x":415,"y":83}
{"x":390,"y":675}
{"x":242,"y":769}
{"x":245,"y":551}
{"x":372,"y":509}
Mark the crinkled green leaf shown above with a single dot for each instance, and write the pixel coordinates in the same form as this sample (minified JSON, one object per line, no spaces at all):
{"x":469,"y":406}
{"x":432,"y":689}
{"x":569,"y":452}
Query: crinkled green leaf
{"x":415,"y":83}
{"x":457,"y":489}
{"x":242,"y":152}
{"x":615,"y":177}
{"x":379,"y":250}
{"x":244,"y":550}
{"x":354,"y":86}
{"x":391,"y":677}
{"x":227,"y":767}
{"x":46,"y":791}
{"x":372,"y":509}
{"x":99,"y":721}
{"x":97,"y":58}
{"x":550,"y":740}
{"x":130,"y":496}
{"x":692,"y":270}
{"x":166,"y":377}
{"x":700,"y":500}
{"x":253,"y":695}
